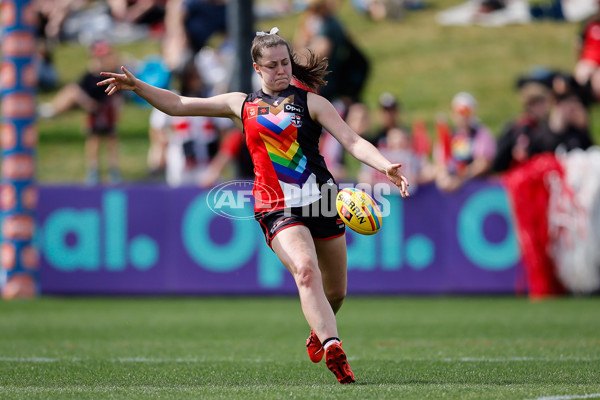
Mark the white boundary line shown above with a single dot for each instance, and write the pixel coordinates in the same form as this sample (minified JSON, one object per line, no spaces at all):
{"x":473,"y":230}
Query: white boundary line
{"x":573,"y":397}
{"x":29,"y":359}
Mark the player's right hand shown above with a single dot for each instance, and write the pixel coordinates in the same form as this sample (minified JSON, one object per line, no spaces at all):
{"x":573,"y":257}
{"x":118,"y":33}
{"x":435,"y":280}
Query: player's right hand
{"x":394,"y":175}
{"x":124,"y":81}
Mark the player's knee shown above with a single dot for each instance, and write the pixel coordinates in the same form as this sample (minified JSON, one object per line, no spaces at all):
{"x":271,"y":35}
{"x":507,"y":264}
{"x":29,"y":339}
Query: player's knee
{"x":336,"y":296}
{"x":307,"y":273}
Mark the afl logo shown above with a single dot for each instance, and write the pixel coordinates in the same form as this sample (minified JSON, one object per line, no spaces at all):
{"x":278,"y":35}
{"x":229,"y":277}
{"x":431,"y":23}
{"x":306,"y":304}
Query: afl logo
{"x":296,"y":120}
{"x":234,"y":199}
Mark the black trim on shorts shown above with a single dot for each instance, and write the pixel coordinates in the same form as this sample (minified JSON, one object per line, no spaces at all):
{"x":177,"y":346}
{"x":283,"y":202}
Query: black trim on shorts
{"x":320,"y":227}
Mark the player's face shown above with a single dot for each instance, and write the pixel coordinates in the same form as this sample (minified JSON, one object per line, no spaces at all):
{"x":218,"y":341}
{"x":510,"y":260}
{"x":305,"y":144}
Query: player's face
{"x":275,"y":69}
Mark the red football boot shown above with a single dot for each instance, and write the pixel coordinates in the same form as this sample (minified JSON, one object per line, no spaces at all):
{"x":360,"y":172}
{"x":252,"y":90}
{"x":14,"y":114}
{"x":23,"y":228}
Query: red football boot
{"x":314,"y":348}
{"x":336,"y":361}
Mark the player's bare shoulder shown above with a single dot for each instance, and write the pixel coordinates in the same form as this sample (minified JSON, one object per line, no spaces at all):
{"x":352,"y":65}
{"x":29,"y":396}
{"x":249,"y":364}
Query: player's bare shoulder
{"x":317,"y":104}
{"x":235,"y":101}
{"x":321,"y":110}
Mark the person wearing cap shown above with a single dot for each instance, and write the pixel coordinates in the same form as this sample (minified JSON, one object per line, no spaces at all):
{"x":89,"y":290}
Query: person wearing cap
{"x":524,"y":136}
{"x":102,"y":112}
{"x":569,"y":123}
{"x":472,"y":146}
{"x":390,"y":115}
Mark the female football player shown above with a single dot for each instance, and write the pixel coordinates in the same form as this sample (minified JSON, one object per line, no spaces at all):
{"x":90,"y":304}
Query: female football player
{"x":282,"y":124}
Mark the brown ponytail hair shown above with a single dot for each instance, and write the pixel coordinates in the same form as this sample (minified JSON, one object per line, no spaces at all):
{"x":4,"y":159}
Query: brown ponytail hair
{"x":312,"y":73}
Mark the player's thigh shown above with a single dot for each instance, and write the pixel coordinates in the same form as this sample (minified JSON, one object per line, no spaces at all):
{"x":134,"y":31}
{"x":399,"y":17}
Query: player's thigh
{"x":333,"y":262}
{"x":295,"y":248}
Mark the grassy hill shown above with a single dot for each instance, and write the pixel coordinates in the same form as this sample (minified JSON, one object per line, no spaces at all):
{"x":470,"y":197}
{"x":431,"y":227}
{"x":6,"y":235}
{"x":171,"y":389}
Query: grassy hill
{"x":423,"y":63}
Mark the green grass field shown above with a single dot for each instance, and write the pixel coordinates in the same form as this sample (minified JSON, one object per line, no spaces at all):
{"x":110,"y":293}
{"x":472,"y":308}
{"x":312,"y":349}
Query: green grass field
{"x":253,"y":348}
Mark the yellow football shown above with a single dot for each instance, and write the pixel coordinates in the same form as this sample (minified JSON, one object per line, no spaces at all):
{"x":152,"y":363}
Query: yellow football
{"x":359,"y":211}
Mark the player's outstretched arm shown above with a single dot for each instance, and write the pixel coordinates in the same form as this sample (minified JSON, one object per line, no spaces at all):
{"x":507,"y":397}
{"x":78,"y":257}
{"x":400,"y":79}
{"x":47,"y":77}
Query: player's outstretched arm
{"x":227,"y":105}
{"x":322,"y":111}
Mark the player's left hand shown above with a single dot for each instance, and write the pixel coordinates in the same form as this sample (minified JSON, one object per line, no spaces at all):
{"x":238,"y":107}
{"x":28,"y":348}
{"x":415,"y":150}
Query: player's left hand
{"x":394,"y":175}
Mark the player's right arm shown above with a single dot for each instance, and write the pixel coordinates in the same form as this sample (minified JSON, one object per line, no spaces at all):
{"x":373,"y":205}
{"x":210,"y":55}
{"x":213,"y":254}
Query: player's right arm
{"x":228,"y":105}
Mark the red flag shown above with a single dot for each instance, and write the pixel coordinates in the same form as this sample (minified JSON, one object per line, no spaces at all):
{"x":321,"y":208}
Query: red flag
{"x":421,"y":140}
{"x":444,"y":137}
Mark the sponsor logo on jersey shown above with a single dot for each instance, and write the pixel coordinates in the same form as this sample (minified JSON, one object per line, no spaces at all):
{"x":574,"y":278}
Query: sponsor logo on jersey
{"x":252,"y":112}
{"x":263,"y":110}
{"x":293,"y":108}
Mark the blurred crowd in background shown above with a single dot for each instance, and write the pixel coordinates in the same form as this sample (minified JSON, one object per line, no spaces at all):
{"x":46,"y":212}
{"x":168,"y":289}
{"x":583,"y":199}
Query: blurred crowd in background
{"x":200,"y":151}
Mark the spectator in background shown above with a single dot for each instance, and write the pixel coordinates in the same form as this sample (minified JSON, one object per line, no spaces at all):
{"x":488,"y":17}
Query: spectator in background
{"x":189,"y":24}
{"x":569,"y":122}
{"x":174,"y":42}
{"x":559,"y":83}
{"x":53,"y":13}
{"x":149,"y":12}
{"x":379,"y":10}
{"x":44,"y":61}
{"x":320,"y":31}
{"x":102,"y":111}
{"x":555,"y":117}
{"x":158,"y":134}
{"x":397,"y":147}
{"x":390,"y":112}
{"x":332,"y":151}
{"x":526,"y":134}
{"x":203,"y":18}
{"x":471,"y":146}
{"x":586,"y":70}
{"x":394,"y":139}
{"x":232,"y":150}
{"x":191,"y":142}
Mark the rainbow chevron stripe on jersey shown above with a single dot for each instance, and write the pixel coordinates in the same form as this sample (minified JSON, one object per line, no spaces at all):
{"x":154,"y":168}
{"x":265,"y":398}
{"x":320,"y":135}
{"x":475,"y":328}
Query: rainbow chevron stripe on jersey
{"x":284,"y":143}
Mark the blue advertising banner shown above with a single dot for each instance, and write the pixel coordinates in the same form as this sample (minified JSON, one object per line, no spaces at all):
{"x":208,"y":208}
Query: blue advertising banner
{"x":157,"y":240}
